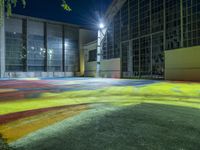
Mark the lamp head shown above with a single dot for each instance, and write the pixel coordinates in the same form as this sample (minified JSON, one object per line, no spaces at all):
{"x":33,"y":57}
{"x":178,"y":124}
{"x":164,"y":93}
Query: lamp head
{"x":101,"y":25}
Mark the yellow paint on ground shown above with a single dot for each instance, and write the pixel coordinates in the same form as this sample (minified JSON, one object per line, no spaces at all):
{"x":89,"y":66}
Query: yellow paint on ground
{"x":20,"y":128}
{"x":168,"y":90}
{"x":7,"y":90}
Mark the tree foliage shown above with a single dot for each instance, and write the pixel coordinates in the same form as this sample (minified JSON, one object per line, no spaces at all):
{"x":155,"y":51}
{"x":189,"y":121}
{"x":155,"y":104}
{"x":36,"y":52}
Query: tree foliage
{"x":13,"y":3}
{"x":65,"y":6}
{"x":9,"y":4}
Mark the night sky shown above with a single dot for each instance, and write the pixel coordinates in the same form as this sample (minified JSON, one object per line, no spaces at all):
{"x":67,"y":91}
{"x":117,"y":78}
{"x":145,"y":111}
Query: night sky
{"x":84,"y":12}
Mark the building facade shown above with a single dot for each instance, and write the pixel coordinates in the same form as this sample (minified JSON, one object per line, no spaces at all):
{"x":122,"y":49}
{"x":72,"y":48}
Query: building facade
{"x":109,"y":68}
{"x":42,"y":48}
{"x":154,"y":38}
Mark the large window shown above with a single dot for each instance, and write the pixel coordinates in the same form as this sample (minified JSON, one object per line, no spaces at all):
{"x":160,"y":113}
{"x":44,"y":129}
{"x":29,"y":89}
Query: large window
{"x":136,"y":57}
{"x":145,"y":56}
{"x":104,"y":48}
{"x":92,"y":55}
{"x":71,"y":49}
{"x":36,"y":53}
{"x":54,"y":47}
{"x":34,"y":45}
{"x":134,"y":18}
{"x":110,"y":41}
{"x":191,"y":22}
{"x":117,"y":35}
{"x":157,"y":55}
{"x":15,"y":56}
{"x":125,"y":48}
{"x":157,"y":15}
{"x":144,"y":17}
{"x":124,"y":22}
{"x":173,"y":24}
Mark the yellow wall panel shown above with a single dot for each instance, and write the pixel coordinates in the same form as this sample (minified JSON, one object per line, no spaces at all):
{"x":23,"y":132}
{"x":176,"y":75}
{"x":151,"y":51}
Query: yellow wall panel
{"x":183,"y":64}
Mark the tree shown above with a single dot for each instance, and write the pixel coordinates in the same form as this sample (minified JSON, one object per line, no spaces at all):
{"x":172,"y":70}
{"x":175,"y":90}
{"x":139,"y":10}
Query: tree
{"x":13,"y":3}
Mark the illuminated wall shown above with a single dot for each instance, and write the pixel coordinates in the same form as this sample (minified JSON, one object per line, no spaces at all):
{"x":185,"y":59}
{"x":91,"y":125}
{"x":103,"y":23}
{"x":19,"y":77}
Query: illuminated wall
{"x":183,"y":64}
{"x":141,"y":30}
{"x":109,"y":68}
{"x":42,"y":48}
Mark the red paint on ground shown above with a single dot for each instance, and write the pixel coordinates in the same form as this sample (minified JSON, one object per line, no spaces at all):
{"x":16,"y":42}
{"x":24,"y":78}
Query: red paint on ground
{"x":24,"y":114}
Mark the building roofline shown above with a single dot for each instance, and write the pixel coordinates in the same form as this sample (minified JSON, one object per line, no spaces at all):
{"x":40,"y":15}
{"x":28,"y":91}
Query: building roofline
{"x":48,"y":20}
{"x":113,"y":10}
{"x":90,"y":43}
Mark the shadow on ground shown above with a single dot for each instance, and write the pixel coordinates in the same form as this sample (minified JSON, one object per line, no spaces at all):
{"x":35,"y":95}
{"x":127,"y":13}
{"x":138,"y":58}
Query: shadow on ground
{"x":4,"y":145}
{"x":140,"y":127}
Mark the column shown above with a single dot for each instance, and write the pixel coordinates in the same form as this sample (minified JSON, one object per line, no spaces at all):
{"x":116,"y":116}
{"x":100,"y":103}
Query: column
{"x":2,"y":41}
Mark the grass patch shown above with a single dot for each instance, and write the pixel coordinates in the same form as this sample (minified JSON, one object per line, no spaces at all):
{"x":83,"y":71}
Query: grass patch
{"x":140,"y":127}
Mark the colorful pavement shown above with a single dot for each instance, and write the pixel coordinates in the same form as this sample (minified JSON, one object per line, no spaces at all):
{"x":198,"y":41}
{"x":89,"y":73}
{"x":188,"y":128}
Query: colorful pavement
{"x":31,"y":110}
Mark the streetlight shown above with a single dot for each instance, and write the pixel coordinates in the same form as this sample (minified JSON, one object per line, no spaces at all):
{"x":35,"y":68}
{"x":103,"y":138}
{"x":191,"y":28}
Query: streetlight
{"x":101,"y":25}
{"x":101,"y":34}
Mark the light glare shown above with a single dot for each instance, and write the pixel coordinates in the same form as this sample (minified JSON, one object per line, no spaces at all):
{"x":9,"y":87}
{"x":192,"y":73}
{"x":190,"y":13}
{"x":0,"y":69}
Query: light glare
{"x":101,"y":25}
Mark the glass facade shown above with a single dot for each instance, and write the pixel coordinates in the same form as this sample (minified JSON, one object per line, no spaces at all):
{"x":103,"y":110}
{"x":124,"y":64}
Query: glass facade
{"x":92,"y":55}
{"x":143,"y":29}
{"x":116,"y":36}
{"x":54,"y":47}
{"x":14,"y":46}
{"x":36,"y":51}
{"x":191,"y":22}
{"x":40,"y":46}
{"x":173,"y":24}
{"x":71,"y":55}
{"x":125,"y":48}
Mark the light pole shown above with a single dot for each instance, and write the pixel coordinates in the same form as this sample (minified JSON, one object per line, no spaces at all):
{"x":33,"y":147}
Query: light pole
{"x":101,"y":34}
{"x":2,"y":39}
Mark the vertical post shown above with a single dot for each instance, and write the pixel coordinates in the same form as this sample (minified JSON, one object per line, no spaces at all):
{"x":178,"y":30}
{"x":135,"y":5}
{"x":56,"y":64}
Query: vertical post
{"x":2,"y":39}
{"x":139,"y":39}
{"x":164,"y":19}
{"x":120,"y":44}
{"x":45,"y":46}
{"x":25,"y":45}
{"x":130,"y":59}
{"x":98,"y":54}
{"x":164,"y":34}
{"x":130,"y":55}
{"x":151,"y":38}
{"x":181,"y":15}
{"x":63,"y":48}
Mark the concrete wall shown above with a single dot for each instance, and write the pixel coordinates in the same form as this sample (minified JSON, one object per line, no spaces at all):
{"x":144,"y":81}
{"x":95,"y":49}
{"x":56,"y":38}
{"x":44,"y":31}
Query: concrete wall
{"x":183,"y":64}
{"x":90,"y":67}
{"x":85,"y":36}
{"x":111,"y":68}
{"x":38,"y":74}
{"x":108,"y":69}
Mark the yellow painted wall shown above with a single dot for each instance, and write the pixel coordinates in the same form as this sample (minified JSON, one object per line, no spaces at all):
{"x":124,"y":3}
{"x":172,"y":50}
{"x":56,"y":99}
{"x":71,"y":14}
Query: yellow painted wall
{"x":183,"y":64}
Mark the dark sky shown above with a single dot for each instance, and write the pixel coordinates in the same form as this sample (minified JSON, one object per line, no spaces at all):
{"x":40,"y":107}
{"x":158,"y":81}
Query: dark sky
{"x":84,"y":12}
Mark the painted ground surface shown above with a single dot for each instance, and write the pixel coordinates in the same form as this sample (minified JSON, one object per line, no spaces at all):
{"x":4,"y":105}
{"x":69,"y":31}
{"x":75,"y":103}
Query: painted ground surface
{"x":96,"y":114}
